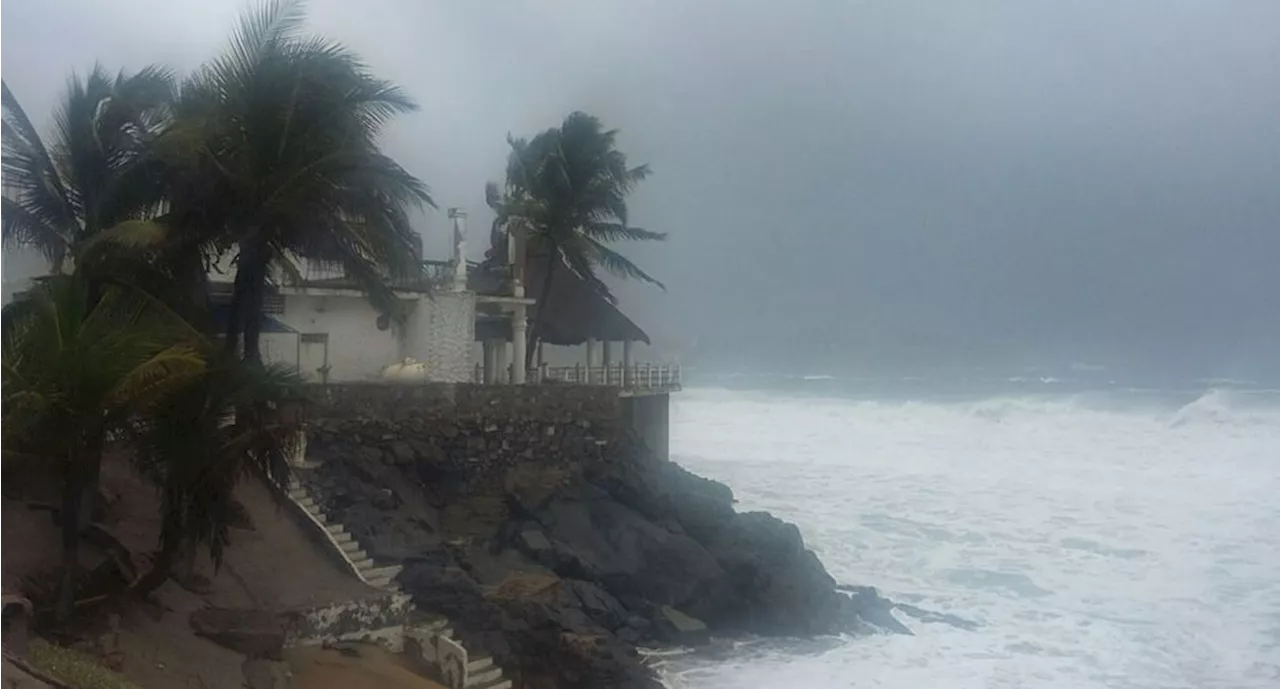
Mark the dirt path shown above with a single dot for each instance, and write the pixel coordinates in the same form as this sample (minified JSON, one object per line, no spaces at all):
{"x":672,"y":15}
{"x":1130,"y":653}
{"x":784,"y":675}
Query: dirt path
{"x":372,"y":668}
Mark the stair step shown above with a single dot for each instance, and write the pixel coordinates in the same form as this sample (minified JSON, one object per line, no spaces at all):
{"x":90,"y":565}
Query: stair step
{"x":484,"y":678}
{"x":379,"y":582}
{"x":363,"y":564}
{"x":499,"y":683}
{"x":334,"y":528}
{"x":390,"y":572}
{"x":479,"y":664}
{"x":349,"y":546}
{"x":307,"y":503}
{"x":356,"y":554}
{"x":343,"y":538}
{"x":298,"y":493}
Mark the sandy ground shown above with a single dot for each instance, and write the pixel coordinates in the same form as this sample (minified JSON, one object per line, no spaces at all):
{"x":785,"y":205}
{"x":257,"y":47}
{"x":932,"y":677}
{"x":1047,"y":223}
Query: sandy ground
{"x":372,"y":668}
{"x":275,"y":565}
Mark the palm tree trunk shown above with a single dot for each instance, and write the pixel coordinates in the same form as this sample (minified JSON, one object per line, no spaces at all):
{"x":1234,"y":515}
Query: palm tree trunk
{"x":231,"y":342}
{"x":92,"y":472}
{"x":72,"y":498}
{"x":253,"y":319}
{"x":535,"y":331}
{"x":161,"y":568}
{"x":247,"y":300}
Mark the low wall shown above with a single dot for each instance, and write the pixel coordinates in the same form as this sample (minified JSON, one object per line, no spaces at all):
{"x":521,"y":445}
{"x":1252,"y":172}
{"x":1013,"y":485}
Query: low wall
{"x":378,"y":619}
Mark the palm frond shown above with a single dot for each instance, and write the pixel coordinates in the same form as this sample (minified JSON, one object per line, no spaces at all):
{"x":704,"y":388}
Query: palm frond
{"x":613,"y":232}
{"x":614,"y":262}
{"x":149,"y":381}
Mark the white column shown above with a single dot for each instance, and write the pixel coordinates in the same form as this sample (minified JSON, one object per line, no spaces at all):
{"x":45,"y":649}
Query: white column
{"x":459,"y":217}
{"x":519,"y":325}
{"x":590,"y":359}
{"x":608,"y":362}
{"x":626,"y":363}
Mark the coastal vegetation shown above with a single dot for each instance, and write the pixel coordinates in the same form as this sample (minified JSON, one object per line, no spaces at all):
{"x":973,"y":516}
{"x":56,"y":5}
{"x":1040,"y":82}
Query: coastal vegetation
{"x":269,"y":151}
{"x":269,"y":148}
{"x":566,"y":195}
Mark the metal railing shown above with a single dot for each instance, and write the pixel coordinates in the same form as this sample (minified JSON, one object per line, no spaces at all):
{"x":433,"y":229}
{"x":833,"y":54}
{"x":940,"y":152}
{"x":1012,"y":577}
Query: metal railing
{"x":634,"y":377}
{"x":652,"y":377}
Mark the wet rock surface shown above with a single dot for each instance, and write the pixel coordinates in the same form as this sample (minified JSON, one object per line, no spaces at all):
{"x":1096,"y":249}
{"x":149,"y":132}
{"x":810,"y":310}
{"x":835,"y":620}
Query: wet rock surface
{"x":560,"y":545}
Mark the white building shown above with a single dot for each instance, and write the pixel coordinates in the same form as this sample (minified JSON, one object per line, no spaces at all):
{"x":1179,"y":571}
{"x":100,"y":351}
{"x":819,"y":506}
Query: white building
{"x":326,"y":329}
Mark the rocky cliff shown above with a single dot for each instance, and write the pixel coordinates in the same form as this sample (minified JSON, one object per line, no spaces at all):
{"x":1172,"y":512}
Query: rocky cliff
{"x":553,"y":538}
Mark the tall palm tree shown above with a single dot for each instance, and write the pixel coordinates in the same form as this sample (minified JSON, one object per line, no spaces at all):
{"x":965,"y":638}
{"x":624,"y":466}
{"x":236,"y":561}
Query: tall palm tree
{"x":94,"y":173}
{"x":276,"y":143}
{"x":566,"y":192}
{"x":80,"y":360}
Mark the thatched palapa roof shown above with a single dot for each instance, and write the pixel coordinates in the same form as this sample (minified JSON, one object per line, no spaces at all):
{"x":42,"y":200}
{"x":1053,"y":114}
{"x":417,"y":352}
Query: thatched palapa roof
{"x":578,"y":310}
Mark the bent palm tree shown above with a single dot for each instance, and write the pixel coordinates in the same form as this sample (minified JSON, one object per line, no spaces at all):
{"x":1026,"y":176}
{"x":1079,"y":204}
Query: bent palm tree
{"x":566,"y":192}
{"x":95,"y":173}
{"x":277,"y":143}
{"x":78,"y":362}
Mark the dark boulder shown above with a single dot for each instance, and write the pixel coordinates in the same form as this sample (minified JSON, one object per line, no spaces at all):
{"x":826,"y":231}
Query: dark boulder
{"x":681,"y":629}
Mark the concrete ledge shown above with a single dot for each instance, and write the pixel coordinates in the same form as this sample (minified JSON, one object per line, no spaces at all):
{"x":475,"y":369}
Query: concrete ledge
{"x":377,"y":619}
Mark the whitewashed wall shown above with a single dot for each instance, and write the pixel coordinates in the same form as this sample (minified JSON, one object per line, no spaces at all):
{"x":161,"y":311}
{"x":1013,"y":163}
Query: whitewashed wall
{"x":357,"y":349}
{"x":437,"y":332}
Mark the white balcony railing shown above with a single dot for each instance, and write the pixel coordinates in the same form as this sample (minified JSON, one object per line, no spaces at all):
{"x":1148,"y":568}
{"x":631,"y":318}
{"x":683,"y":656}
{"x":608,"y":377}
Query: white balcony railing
{"x":639,"y":377}
{"x":634,"y":377}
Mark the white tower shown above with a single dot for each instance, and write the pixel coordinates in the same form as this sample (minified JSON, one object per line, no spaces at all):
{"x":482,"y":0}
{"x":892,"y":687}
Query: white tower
{"x":459,"y":217}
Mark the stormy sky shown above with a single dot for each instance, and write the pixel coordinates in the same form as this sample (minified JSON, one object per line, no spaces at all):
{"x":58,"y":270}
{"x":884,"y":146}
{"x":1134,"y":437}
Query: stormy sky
{"x":846,"y":184}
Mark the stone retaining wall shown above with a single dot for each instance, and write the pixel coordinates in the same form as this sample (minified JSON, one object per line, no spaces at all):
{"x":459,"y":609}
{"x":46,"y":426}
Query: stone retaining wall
{"x":406,"y":402}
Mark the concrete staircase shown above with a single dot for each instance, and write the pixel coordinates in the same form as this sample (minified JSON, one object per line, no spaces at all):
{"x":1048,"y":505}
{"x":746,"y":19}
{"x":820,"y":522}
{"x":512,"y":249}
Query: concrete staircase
{"x":431,"y":634}
{"x":357,"y":559}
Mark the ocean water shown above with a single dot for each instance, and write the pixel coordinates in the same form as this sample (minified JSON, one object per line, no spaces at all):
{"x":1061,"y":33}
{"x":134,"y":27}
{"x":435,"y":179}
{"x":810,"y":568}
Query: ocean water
{"x":1097,"y":537}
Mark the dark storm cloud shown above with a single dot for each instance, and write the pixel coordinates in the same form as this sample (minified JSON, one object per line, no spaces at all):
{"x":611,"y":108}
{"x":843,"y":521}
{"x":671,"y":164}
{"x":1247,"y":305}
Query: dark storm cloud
{"x":978,"y":181}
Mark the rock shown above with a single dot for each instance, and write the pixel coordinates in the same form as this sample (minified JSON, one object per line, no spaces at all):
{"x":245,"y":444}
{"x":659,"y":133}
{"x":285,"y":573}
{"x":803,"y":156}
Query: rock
{"x":607,"y":542}
{"x":553,"y":539}
{"x":255,"y":633}
{"x":682,"y":629}
{"x":597,"y":603}
{"x":402,"y":452}
{"x":16,"y":615}
{"x":266,"y":674}
{"x":490,"y":568}
{"x":534,"y":540}
{"x":528,"y":586}
{"x":479,"y":517}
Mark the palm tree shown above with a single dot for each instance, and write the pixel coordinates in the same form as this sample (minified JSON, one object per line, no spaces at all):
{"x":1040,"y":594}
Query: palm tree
{"x":95,"y":174}
{"x":276,"y":146}
{"x":566,"y":192}
{"x":200,"y":444}
{"x":80,"y":360}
